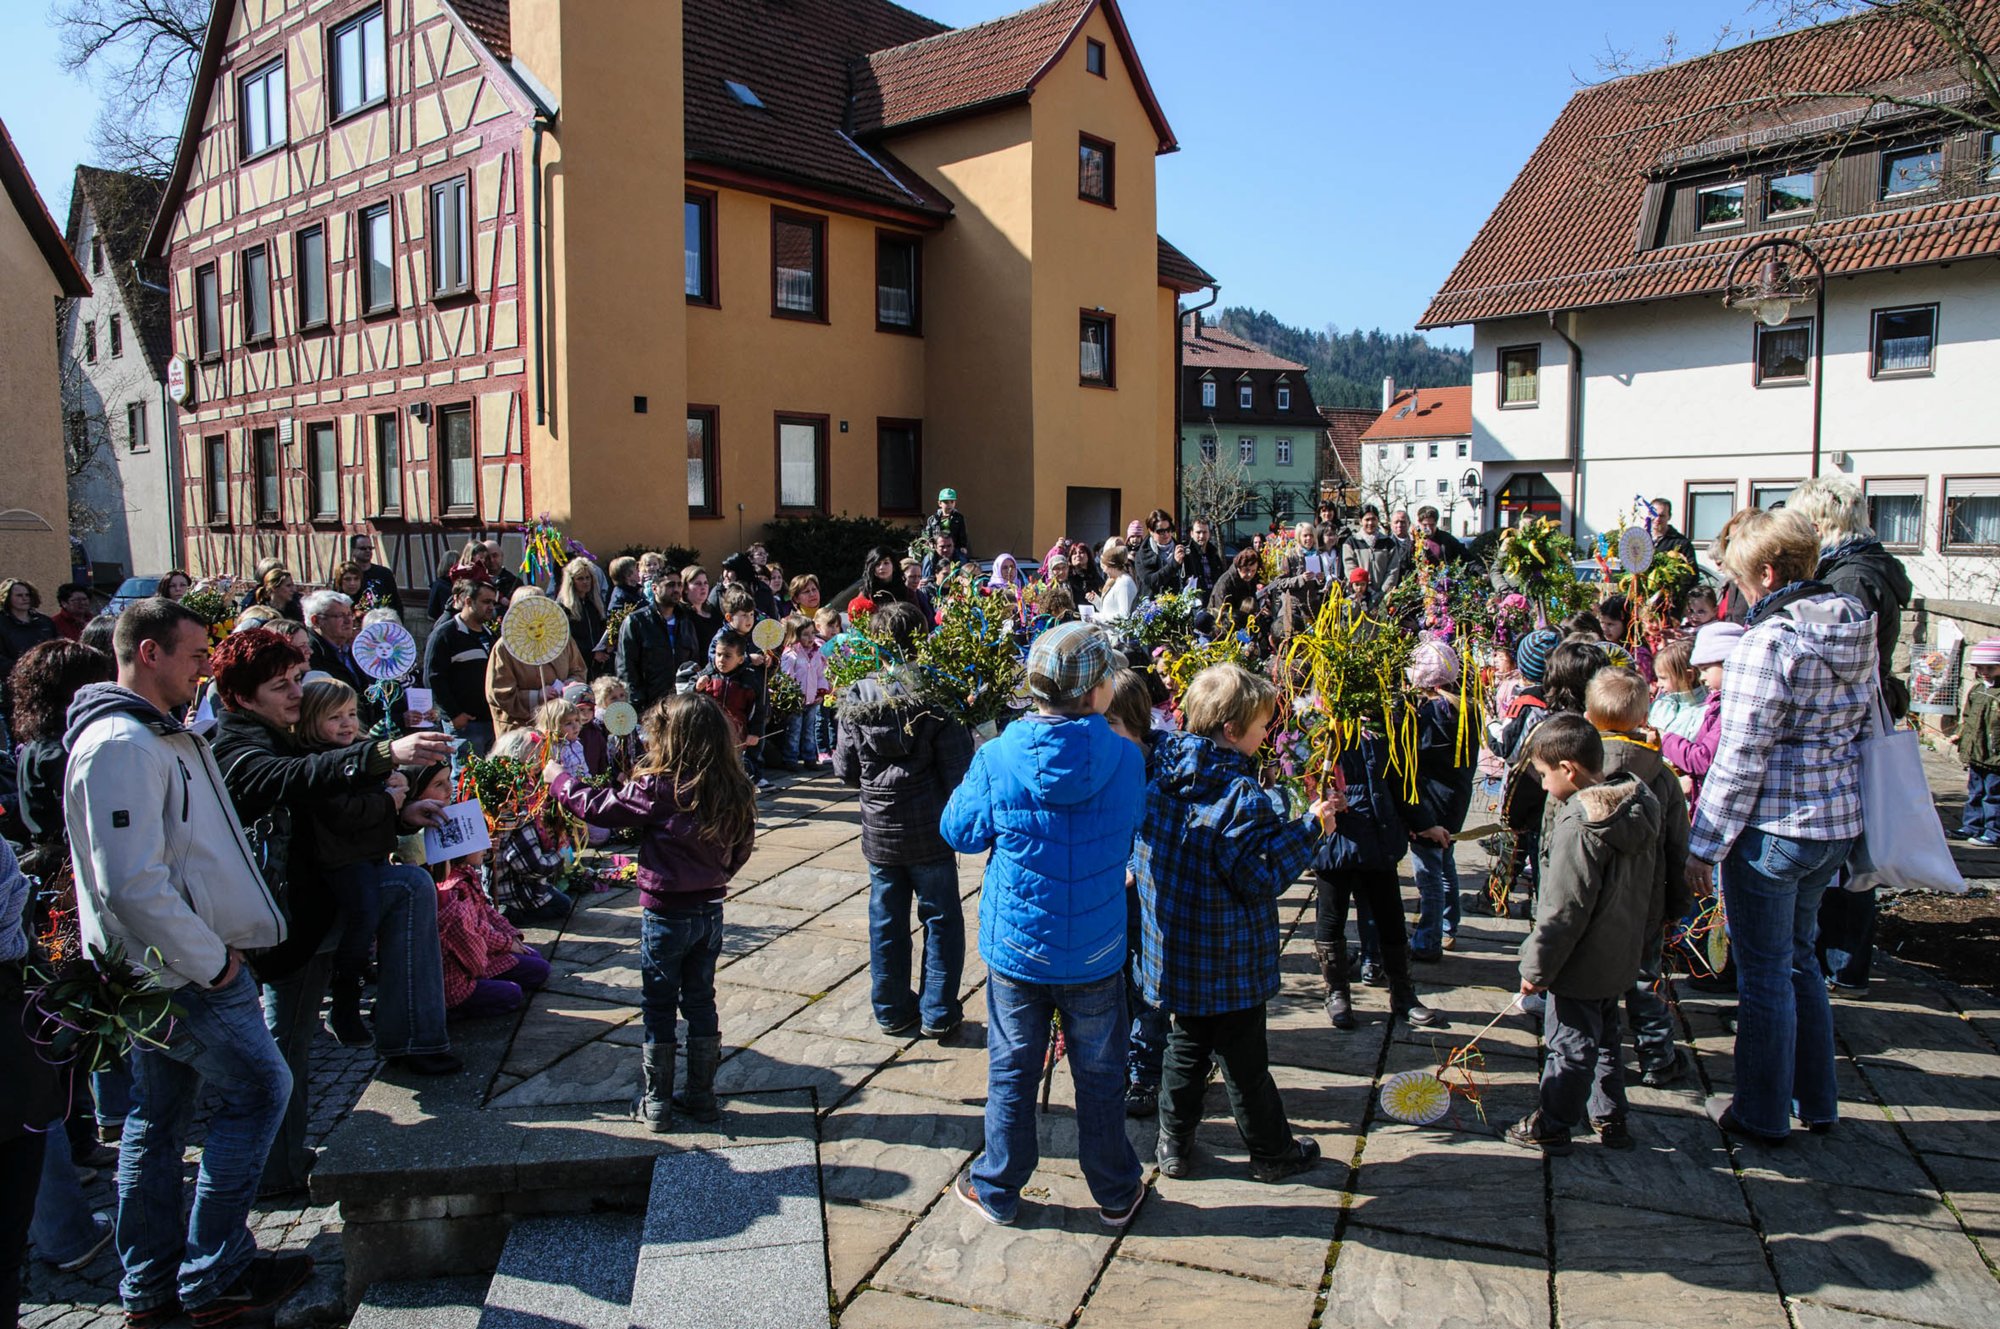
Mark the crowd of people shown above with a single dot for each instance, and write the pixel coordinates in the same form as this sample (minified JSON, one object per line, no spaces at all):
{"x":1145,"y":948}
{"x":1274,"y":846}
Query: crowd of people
{"x":236,"y":812}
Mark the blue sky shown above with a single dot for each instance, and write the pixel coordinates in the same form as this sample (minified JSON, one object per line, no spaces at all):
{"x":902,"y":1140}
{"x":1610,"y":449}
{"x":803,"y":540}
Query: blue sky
{"x":1337,"y":155}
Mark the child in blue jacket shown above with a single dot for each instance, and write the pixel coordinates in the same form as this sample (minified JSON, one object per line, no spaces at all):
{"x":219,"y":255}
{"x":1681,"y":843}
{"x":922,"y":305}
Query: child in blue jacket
{"x":1056,"y":798}
{"x":1214,"y":854}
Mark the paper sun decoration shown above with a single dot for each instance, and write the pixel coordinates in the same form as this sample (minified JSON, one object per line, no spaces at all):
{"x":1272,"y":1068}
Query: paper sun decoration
{"x":536,"y":630}
{"x":385,"y":650}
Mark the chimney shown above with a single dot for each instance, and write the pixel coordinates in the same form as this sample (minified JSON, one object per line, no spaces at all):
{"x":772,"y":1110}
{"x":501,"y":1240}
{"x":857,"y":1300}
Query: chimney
{"x":1388,"y":391}
{"x":1197,"y":324}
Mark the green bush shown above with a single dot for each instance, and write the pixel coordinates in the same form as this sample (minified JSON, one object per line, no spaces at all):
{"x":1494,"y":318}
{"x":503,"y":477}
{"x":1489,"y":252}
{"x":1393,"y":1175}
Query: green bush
{"x":832,"y":548}
{"x":678,"y":556}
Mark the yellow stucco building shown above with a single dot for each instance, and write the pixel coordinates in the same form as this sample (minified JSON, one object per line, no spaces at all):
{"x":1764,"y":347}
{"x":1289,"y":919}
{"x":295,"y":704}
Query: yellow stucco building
{"x":36,"y":269}
{"x":910,"y":257}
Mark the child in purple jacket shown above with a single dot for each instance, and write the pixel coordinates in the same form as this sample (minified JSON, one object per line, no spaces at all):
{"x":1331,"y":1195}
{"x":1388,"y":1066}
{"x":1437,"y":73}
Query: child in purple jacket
{"x":1693,"y":756}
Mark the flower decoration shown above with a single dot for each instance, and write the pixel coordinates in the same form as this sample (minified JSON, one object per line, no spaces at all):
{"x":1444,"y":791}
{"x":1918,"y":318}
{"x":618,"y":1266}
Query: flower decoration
{"x":787,"y":698}
{"x":213,"y":608}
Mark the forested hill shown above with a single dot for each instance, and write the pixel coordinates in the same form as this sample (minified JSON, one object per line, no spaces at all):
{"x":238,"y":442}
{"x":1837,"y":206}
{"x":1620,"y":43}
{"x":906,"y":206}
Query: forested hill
{"x":1347,"y":368}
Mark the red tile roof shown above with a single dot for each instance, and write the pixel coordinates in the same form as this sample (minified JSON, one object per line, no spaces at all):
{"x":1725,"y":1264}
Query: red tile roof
{"x":1180,"y":272}
{"x":1212,"y":348}
{"x":1424,"y":413}
{"x":1344,"y":427}
{"x":963,"y":70}
{"x":1563,"y":236}
{"x":34,"y":214}
{"x":489,"y":21}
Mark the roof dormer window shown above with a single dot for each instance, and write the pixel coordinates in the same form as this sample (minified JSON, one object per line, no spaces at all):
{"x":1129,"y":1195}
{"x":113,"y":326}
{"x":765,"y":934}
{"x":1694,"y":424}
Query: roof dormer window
{"x":1789,"y":195}
{"x":1913,"y":170}
{"x":1719,"y":205}
{"x":744,"y":97}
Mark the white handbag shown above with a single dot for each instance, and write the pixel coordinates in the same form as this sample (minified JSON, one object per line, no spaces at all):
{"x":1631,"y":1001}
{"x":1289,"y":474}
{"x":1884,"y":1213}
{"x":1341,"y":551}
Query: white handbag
{"x":1902,"y":844}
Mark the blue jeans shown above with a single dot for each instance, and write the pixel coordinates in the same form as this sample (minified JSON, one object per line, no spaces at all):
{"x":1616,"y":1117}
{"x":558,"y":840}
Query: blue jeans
{"x":1982,"y":804}
{"x":678,"y":950}
{"x":1017,"y":1044}
{"x":62,"y":1228}
{"x":291,"y":1011}
{"x":111,"y":1091}
{"x":409,"y":982}
{"x":1771,"y":891}
{"x":825,"y":734}
{"x":1436,"y":871}
{"x":802,"y":737}
{"x":935,"y":888}
{"x":219,"y":1041}
{"x":1847,"y":935}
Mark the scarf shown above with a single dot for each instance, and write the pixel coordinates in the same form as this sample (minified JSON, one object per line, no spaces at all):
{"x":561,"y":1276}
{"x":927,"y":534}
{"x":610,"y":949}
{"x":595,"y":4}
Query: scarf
{"x":1782,"y":596}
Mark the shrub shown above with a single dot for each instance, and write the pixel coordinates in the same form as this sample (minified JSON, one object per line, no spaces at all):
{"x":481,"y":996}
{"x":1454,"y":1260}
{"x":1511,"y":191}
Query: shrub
{"x":832,"y":548}
{"x":678,"y":556}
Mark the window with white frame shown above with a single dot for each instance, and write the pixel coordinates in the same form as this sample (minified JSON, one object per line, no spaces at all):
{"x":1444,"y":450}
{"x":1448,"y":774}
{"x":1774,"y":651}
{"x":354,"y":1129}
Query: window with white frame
{"x":135,"y":426}
{"x":801,"y":469}
{"x":1284,"y":399}
{"x":1913,"y":170}
{"x":1433,"y":449}
{"x":1971,"y":512}
{"x":261,"y":95}
{"x":1896,"y":511}
{"x":360,"y":63}
{"x":1246,"y":450}
{"x":1284,"y":447}
{"x":1409,"y":452}
{"x":255,"y":276}
{"x":1420,"y":487}
{"x":1208,"y":447}
{"x":323,"y":456}
{"x":1208,"y":393}
{"x":215,"y":450}
{"x":378,"y":260}
{"x":1771,"y":495}
{"x":1465,"y":447}
{"x":1719,"y":205}
{"x":1789,"y":195}
{"x":1246,"y":396}
{"x":1520,"y":376}
{"x":1381,"y":452}
{"x":1708,"y":506}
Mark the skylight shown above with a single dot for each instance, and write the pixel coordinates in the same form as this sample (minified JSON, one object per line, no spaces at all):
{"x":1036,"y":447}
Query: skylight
{"x":741,"y":92}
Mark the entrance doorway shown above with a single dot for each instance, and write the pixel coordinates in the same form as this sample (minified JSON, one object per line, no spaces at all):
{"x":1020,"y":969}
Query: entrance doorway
{"x":1091,"y":515}
{"x":1527,"y":494}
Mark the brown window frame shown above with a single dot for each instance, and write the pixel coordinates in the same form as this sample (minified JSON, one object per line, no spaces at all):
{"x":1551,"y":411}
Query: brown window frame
{"x":300,"y":269}
{"x":244,"y":291}
{"x":135,"y":439}
{"x":1922,"y":487}
{"x":117,"y":330}
{"x":324,"y":507}
{"x":822,"y":482}
{"x":1875,"y":342}
{"x":709,"y":202}
{"x":271,"y":474}
{"x":331,"y":63}
{"x":1094,"y":57}
{"x":1500,"y":375}
{"x":1110,"y":321}
{"x":915,"y":244}
{"x":206,"y":353}
{"x":711,"y":460}
{"x":215,"y":477}
{"x":1110,"y":151}
{"x":1707,"y":486}
{"x":433,"y":242}
{"x":916,"y":431}
{"x":389,"y":479}
{"x":1759,"y":332}
{"x":243,"y":81}
{"x":445,"y":507}
{"x":817,"y":223}
{"x":1946,"y":545}
{"x":364,"y":254}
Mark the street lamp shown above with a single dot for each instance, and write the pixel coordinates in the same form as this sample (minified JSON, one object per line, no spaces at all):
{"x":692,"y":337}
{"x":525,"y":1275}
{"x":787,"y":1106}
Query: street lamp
{"x":1771,"y":278}
{"x":1474,"y":493}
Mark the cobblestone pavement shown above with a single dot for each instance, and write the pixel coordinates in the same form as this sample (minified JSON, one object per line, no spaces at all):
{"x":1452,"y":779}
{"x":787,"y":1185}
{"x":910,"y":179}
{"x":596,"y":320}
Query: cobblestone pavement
{"x":1882,"y":1221}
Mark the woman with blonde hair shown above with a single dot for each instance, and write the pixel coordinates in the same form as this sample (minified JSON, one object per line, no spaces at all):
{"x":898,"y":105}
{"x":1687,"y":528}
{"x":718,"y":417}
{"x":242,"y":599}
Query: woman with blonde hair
{"x":1120,"y":595}
{"x":582,"y":598}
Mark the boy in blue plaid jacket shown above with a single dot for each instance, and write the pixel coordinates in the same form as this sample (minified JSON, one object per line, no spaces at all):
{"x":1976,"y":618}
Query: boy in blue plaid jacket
{"x":1213,"y":854}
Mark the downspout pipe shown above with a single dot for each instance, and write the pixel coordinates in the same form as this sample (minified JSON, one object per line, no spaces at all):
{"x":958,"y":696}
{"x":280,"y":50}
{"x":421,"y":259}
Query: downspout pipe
{"x":544,"y":121}
{"x":169,"y":428}
{"x":1575,"y":420}
{"x":1182,"y":518}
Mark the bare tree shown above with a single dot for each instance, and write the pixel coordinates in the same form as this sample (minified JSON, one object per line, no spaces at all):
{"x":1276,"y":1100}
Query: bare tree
{"x":141,"y":55}
{"x":1216,"y":488}
{"x":86,"y":432}
{"x":1382,"y":479}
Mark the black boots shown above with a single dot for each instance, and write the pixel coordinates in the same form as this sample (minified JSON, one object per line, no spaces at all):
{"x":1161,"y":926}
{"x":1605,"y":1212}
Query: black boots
{"x":1403,"y":992}
{"x":1333,"y":968}
{"x":697,"y":1100}
{"x":344,"y":1020}
{"x":658,"y":1092}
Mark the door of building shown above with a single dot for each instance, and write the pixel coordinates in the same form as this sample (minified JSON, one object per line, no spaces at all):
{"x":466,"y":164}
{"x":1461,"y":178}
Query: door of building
{"x":1091,"y":515}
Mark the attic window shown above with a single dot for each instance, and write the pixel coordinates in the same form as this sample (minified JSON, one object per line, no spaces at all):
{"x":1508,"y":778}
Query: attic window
{"x":741,"y":92}
{"x":1093,"y":56}
{"x":1915,"y":170}
{"x":1719,"y":205}
{"x":1787,"y":195}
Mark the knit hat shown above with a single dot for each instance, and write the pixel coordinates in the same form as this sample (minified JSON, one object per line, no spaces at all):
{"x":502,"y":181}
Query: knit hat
{"x":577,"y":692}
{"x":1715,"y":643}
{"x":1067,"y":661}
{"x":1985,"y":653}
{"x":1531,"y":657}
{"x":1432,"y":665}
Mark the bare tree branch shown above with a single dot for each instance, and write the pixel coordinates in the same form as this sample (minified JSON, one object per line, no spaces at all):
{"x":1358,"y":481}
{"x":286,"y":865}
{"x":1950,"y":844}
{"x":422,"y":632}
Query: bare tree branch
{"x":141,"y":56}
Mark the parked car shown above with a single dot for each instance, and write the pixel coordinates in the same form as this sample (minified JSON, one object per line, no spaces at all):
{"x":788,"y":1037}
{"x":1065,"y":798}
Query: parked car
{"x":132,"y":588}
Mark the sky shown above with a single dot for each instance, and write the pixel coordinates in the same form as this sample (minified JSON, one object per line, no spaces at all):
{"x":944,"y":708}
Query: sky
{"x":1336,"y":155}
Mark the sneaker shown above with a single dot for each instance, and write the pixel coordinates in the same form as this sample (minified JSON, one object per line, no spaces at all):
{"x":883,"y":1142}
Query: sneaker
{"x":1176,"y":1157}
{"x":153,"y":1317}
{"x":1374,"y":975}
{"x":1118,"y":1218}
{"x":1530,"y":1132}
{"x":1142,"y":1100}
{"x":943,"y":1031}
{"x":1613,"y":1133}
{"x":263,"y":1286}
{"x":826,"y":759}
{"x":1303,"y":1158}
{"x":1960,"y":833}
{"x":969,"y":1197}
{"x":1450,"y":942}
{"x":428,"y":1063}
{"x":102,"y":1224}
{"x":900,"y":1029}
{"x":1988,"y":841}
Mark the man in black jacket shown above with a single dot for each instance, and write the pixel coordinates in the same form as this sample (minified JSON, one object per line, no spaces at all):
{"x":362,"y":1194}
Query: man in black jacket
{"x":1162,"y":560}
{"x":1204,"y":558}
{"x":378,"y":584}
{"x":455,"y":664}
{"x":655,"y":640}
{"x":1450,"y":548}
{"x":1666,"y":539}
{"x":948,"y":520}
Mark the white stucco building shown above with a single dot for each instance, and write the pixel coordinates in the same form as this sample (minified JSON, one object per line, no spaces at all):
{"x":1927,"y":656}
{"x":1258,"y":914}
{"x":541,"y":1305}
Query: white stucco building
{"x":1682,"y":397}
{"x":1418,"y":454}
{"x":114,"y":343}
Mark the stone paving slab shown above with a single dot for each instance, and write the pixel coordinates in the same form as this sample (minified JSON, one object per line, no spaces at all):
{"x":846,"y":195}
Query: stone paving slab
{"x":1613,"y":1269}
{"x":572,"y":1271}
{"x":1165,"y":1296}
{"x":895,"y":1151}
{"x":858,"y":1239}
{"x":803,"y":962}
{"x":1390,"y":1280}
{"x":880,"y":1310}
{"x":1233,"y":1225}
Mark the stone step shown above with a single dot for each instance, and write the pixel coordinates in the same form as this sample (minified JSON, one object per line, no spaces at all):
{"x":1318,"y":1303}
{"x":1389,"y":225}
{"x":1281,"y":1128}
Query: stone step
{"x":566,"y":1272}
{"x":437,"y":1303}
{"x":733,"y":1238}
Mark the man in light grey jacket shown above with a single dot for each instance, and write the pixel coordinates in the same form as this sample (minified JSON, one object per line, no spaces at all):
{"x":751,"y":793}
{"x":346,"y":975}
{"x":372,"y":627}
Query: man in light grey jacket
{"x":165,"y":872}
